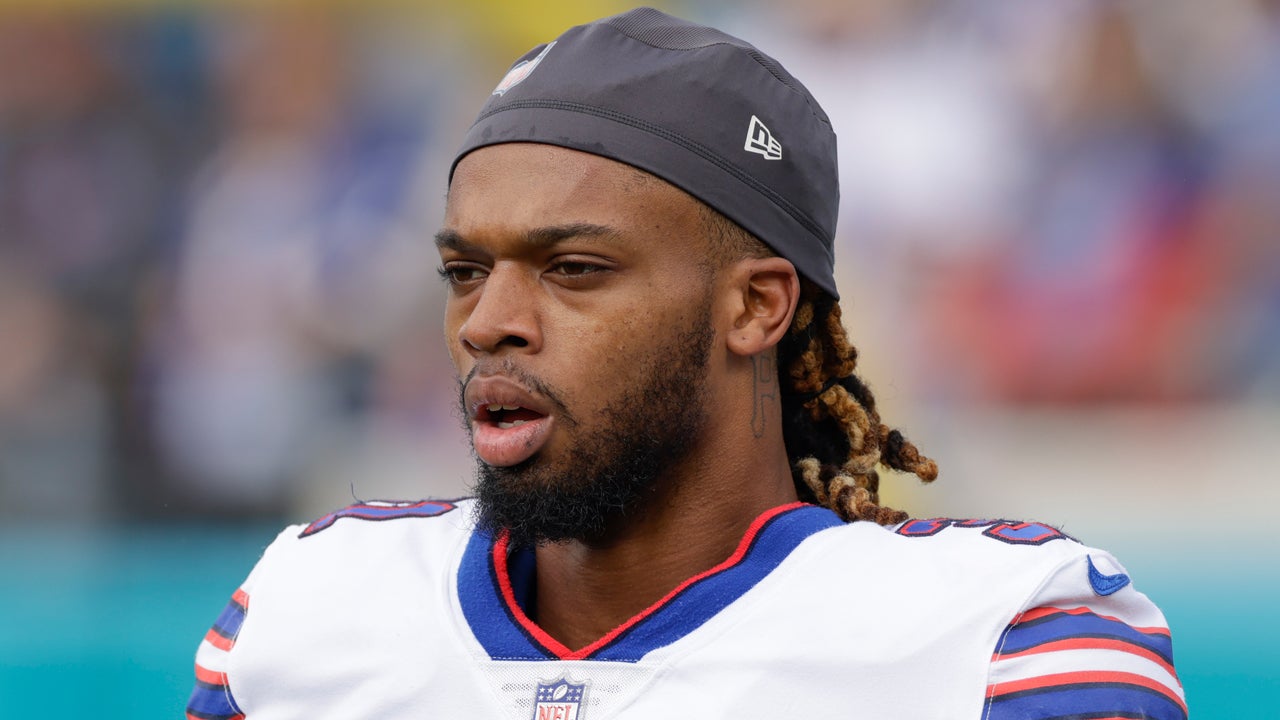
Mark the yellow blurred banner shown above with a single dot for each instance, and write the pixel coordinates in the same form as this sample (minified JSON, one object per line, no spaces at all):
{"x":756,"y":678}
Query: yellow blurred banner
{"x":522,"y":25}
{"x":508,"y":25}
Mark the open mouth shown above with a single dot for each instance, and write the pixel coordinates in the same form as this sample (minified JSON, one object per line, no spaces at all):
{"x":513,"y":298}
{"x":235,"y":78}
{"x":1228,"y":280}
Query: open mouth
{"x":509,"y":423}
{"x":506,"y":416}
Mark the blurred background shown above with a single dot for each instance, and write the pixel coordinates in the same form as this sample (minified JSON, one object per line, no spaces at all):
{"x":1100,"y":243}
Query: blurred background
{"x":1059,"y":249}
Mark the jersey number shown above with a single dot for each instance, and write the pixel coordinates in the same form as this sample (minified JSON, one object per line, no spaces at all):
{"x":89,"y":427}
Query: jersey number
{"x":1014,"y":533}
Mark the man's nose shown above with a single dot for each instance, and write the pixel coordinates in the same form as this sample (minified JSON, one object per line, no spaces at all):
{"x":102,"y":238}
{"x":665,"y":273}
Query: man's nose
{"x":504,"y":316}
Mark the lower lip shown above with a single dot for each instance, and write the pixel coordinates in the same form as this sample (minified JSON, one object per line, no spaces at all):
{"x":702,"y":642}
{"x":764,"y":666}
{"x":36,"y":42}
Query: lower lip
{"x":502,"y":447}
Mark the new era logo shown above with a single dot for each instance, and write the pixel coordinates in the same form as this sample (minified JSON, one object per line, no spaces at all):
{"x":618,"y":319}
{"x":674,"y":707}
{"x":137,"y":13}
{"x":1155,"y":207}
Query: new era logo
{"x":761,"y":142}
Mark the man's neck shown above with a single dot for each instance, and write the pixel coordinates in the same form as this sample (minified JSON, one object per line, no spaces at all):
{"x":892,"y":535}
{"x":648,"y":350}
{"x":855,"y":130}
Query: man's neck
{"x":586,"y":589}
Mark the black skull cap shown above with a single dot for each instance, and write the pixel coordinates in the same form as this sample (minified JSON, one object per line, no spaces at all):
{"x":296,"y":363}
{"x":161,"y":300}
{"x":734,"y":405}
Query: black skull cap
{"x":699,"y":108}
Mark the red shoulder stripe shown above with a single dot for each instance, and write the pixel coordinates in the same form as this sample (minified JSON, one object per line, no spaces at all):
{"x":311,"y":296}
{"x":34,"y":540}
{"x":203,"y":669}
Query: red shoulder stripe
{"x":1089,"y":643}
{"x":1087,"y":677}
{"x":206,"y":675}
{"x":216,"y":639}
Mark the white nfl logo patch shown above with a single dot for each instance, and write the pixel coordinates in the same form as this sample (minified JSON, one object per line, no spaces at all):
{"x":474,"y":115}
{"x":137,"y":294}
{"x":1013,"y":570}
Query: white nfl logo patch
{"x":558,"y":700}
{"x":518,"y":73}
{"x":761,"y":142}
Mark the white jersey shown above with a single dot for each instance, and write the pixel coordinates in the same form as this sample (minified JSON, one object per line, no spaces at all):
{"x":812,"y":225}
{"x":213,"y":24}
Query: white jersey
{"x":404,"y":610}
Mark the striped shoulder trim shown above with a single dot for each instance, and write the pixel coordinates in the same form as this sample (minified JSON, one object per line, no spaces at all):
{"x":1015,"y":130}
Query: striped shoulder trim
{"x":211,"y":698}
{"x":1072,"y":662}
{"x":1037,"y":628}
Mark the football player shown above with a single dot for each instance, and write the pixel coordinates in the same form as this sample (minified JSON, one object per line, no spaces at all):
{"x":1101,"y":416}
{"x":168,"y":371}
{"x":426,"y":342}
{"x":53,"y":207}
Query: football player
{"x":676,"y":509}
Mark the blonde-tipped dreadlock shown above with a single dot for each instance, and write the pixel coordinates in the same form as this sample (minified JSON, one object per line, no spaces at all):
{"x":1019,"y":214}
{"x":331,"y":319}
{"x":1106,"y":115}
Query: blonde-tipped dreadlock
{"x":833,"y":433}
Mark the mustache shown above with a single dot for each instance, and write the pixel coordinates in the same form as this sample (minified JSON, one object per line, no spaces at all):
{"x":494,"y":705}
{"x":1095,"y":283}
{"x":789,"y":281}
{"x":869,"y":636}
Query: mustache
{"x":507,"y":368}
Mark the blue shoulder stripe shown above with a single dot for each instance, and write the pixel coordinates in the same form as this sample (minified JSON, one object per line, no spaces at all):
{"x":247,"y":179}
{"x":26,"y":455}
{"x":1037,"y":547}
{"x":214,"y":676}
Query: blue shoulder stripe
{"x":1063,"y":625}
{"x":230,"y":620}
{"x":212,"y":702}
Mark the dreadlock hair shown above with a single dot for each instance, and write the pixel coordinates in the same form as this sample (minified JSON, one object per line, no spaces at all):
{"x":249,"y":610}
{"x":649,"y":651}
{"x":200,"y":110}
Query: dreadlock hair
{"x":834,"y":437}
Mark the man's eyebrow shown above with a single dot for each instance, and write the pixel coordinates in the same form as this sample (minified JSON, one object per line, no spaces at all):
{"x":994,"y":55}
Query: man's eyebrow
{"x":447,"y":238}
{"x":543,"y":237}
{"x":548,"y":236}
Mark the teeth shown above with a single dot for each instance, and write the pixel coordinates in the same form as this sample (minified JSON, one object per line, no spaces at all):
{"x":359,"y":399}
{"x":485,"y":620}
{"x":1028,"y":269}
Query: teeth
{"x":497,"y":407}
{"x":509,"y":425}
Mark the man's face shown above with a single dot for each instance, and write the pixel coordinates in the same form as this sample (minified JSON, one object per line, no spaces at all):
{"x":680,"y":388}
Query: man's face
{"x":579,"y":320}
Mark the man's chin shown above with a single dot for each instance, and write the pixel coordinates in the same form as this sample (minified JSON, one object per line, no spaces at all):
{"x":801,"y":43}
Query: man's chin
{"x":535,"y":505}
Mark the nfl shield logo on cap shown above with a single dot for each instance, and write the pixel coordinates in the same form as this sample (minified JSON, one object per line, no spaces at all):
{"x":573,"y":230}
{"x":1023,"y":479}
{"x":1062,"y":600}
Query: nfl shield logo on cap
{"x":558,"y":700}
{"x":517,"y":74}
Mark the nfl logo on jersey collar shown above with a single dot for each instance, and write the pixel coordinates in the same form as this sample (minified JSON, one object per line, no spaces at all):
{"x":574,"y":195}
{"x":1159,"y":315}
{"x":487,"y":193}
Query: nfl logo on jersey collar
{"x":558,"y":700}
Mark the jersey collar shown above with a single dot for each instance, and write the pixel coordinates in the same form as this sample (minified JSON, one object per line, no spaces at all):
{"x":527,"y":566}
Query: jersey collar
{"x":492,"y":579}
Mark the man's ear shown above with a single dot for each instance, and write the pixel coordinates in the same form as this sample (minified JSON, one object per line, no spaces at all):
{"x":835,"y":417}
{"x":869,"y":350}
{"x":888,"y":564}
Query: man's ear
{"x":765,"y":293}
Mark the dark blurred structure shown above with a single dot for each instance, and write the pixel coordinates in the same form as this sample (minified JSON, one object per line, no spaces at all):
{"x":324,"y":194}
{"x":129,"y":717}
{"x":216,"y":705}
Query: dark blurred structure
{"x":217,"y":293}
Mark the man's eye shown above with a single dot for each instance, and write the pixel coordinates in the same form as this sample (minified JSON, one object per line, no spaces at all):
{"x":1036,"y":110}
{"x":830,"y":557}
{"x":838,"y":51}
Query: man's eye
{"x":574,"y":269}
{"x":460,"y":274}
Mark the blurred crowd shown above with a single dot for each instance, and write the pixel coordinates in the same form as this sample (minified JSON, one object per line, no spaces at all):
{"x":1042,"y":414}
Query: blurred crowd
{"x":1058,"y":203}
{"x":218,"y":294}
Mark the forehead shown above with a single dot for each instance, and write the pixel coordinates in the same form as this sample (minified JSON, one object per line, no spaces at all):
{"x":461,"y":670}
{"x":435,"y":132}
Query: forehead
{"x":517,"y":186}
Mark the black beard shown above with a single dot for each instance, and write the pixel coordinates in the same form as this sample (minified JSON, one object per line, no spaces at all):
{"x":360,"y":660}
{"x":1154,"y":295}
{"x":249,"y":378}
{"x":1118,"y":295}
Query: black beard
{"x":608,"y":475}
